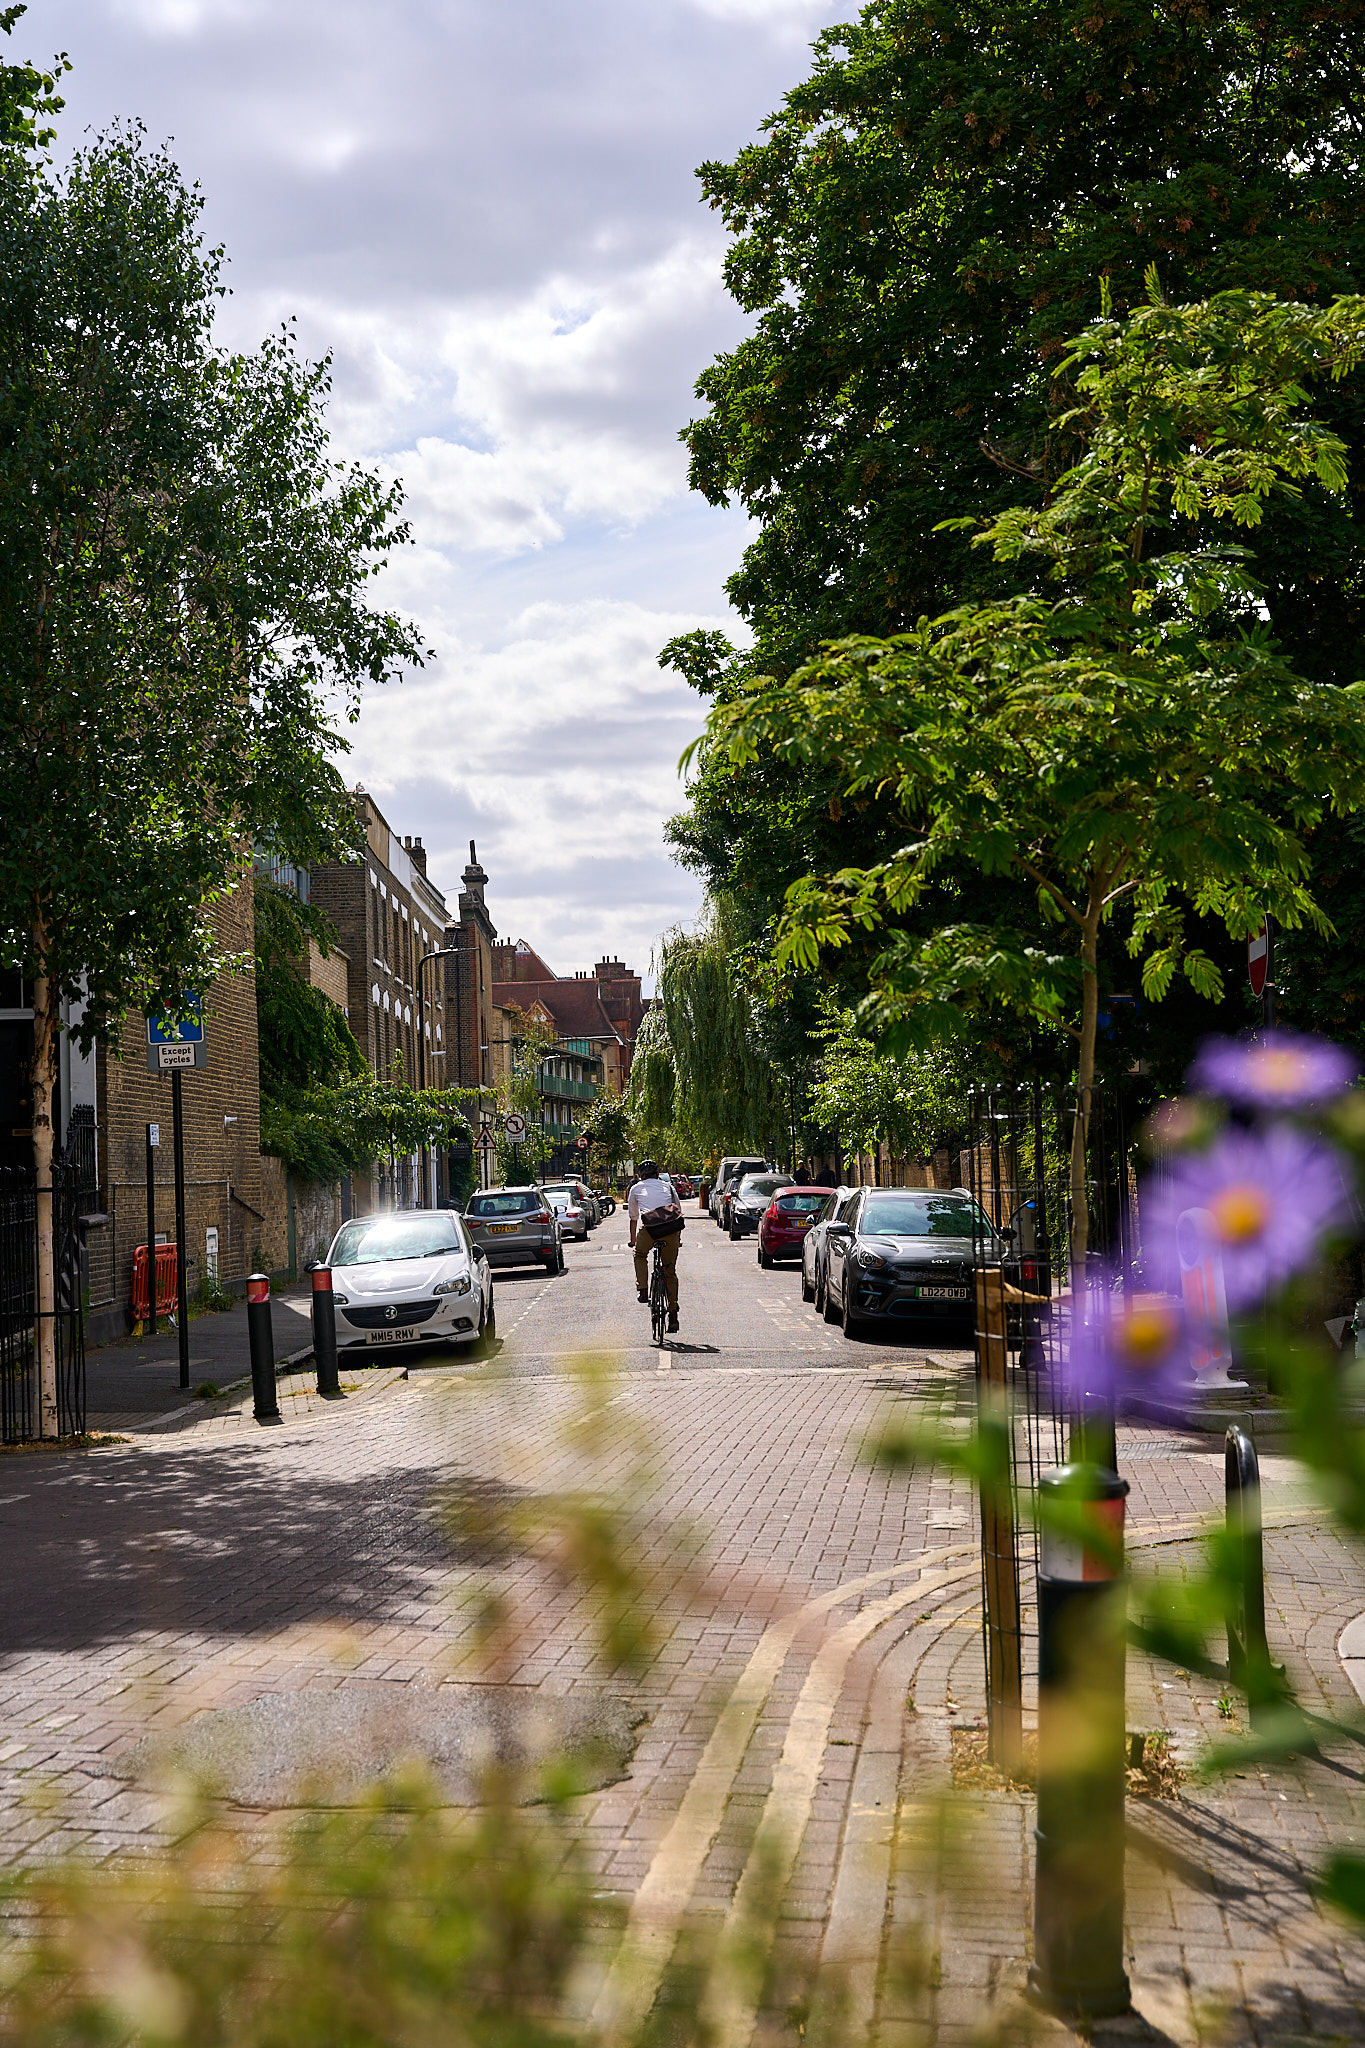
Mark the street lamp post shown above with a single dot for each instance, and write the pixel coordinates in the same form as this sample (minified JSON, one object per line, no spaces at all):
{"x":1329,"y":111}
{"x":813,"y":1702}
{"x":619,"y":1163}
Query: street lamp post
{"x":438,"y":953}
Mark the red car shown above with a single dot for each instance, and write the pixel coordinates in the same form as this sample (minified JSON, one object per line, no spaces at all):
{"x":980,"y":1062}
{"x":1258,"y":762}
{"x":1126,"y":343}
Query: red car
{"x":783,"y":1225}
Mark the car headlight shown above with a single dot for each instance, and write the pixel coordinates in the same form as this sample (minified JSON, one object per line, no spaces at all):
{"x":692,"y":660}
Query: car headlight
{"x":867,"y":1258}
{"x":460,"y":1286}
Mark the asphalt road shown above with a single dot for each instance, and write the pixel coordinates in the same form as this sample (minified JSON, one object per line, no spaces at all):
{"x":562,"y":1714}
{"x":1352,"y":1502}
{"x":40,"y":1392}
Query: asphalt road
{"x":732,"y":1313}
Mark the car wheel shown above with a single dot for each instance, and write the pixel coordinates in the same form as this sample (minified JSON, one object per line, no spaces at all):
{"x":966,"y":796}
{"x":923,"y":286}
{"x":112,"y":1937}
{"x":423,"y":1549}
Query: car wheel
{"x":764,"y":1260}
{"x":829,"y":1308}
{"x":820,"y":1291}
{"x":486,"y":1341}
{"x":852,"y":1322}
{"x":807,"y":1291}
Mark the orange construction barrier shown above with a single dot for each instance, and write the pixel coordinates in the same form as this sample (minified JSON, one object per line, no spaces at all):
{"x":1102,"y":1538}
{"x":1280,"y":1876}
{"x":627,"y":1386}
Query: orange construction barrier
{"x":165,"y":1281}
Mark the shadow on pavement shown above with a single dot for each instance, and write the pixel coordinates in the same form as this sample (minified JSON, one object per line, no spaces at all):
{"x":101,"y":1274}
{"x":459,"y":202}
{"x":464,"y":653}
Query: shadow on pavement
{"x":230,"y":1540}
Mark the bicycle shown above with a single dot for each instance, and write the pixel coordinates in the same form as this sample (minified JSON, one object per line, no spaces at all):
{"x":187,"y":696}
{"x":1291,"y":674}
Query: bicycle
{"x":658,"y":1299}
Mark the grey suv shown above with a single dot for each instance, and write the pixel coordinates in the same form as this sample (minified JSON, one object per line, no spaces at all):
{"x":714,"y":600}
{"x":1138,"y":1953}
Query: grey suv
{"x":515,"y":1227}
{"x":896,"y":1254}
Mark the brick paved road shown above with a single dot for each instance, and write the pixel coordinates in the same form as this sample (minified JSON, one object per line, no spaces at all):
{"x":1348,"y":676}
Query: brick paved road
{"x":213,"y":1562}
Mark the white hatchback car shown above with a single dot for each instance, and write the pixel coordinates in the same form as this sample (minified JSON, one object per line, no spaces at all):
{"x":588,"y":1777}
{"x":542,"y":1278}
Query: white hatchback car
{"x":570,"y":1212}
{"x":410,"y":1277}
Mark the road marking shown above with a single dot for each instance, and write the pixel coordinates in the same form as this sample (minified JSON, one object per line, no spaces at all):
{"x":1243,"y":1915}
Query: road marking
{"x":752,"y":1917}
{"x":624,"y":2001}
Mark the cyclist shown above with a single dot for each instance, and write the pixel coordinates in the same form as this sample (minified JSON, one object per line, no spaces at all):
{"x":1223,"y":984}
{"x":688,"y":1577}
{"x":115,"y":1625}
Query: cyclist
{"x":656,"y":1218}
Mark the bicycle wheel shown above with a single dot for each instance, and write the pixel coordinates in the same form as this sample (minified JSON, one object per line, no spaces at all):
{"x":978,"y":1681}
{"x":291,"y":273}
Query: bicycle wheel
{"x":658,"y":1301}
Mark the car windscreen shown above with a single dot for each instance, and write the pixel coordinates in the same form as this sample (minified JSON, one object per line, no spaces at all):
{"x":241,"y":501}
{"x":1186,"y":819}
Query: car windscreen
{"x":802,"y":1204}
{"x":522,"y":1204}
{"x":917,"y":1215}
{"x":761,"y":1183}
{"x":368,"y":1239}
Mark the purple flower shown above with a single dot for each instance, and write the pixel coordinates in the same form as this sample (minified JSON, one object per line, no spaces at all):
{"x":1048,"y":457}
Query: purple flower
{"x":1262,"y":1200}
{"x":1282,"y":1070}
{"x":1125,"y":1347}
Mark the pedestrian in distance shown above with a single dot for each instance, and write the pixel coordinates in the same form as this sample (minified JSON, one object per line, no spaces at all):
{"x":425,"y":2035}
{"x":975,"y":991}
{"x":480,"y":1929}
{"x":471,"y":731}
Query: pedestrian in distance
{"x":656,"y":1218}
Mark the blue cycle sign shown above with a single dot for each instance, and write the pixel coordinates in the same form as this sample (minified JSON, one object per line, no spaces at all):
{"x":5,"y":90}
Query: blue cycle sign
{"x":177,"y":1042}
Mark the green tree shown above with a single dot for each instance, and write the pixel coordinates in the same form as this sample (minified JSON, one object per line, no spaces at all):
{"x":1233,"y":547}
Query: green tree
{"x":1134,"y":745}
{"x":28,"y":96}
{"x":305,"y":1040}
{"x":183,"y":581}
{"x":606,"y":1126}
{"x":520,"y":1092}
{"x":909,"y":1101}
{"x":727,"y":1091}
{"x":925,"y":222}
{"x":324,"y":1132}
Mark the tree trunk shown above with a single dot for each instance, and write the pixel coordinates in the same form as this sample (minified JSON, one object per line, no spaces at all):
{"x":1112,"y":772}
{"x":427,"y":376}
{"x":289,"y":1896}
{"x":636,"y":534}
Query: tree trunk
{"x":1085,"y":1083}
{"x":44,"y":1077}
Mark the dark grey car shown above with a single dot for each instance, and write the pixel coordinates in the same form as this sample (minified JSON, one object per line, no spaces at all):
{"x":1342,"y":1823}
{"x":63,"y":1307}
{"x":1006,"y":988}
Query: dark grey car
{"x":515,"y":1227}
{"x":901,"y":1255}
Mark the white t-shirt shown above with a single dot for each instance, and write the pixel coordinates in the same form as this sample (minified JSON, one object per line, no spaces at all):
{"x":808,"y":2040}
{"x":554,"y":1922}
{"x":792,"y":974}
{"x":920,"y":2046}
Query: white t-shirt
{"x":650,"y":1194}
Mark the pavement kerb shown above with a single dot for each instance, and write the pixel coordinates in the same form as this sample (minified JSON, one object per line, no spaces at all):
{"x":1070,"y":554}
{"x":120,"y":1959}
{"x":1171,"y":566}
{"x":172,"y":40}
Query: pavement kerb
{"x":200,"y":1431}
{"x":200,"y":1407}
{"x":1351,"y":1650}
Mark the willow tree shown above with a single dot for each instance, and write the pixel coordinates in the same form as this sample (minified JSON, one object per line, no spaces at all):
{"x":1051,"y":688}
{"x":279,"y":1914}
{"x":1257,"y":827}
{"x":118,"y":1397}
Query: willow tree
{"x":184,"y":572}
{"x":728,"y":1094}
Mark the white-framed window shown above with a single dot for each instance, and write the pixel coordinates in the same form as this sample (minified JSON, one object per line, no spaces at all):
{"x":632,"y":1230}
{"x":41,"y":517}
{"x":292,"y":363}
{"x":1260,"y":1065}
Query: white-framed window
{"x":386,"y":999}
{"x":375,"y":994}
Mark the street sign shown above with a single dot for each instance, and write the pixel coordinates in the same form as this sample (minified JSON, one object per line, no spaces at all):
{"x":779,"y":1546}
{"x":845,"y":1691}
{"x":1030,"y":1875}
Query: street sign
{"x":1258,"y":960}
{"x":485,"y":1140}
{"x":515,"y":1126}
{"x":189,"y":1030}
{"x":174,"y":1046}
{"x":153,"y":1134}
{"x":582,"y":1144}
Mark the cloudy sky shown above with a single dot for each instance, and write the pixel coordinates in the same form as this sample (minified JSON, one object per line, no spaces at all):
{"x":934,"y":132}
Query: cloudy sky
{"x":486,"y":210}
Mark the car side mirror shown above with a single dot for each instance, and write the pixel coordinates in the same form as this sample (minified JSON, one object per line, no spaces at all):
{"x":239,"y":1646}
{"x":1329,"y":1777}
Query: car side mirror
{"x":839,"y":1230}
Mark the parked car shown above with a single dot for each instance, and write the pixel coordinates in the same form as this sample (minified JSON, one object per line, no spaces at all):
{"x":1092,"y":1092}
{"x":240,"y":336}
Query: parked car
{"x":410,"y":1279}
{"x":587,"y":1197}
{"x":515,"y":1227}
{"x":784,"y":1223}
{"x":732,"y":1171}
{"x":748,"y":1198}
{"x":685,"y":1186}
{"x":814,"y":1250}
{"x":902,"y":1253}
{"x":570,"y":1213}
{"x":729,"y":1169}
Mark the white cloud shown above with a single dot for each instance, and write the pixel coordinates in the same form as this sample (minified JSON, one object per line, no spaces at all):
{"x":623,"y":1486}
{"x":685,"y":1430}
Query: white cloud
{"x":488,"y":214}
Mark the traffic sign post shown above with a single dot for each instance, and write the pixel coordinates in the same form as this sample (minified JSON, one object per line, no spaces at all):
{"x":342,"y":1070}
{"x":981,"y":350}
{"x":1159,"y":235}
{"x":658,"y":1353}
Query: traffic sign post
{"x":182,"y":1297}
{"x":1261,"y":969}
{"x":515,"y":1126}
{"x":171,"y":1047}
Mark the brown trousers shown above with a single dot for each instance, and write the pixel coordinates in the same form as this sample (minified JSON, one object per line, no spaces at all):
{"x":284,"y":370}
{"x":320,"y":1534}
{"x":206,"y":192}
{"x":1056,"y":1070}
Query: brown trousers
{"x":668,"y":1252}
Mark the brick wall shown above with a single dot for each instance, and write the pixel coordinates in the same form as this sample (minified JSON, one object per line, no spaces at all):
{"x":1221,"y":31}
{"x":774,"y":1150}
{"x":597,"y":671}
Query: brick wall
{"x":223,"y":1181}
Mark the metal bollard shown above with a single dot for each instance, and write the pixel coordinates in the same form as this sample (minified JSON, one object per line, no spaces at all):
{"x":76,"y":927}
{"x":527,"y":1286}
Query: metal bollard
{"x":325,"y":1331}
{"x":1265,"y":1684}
{"x":1078,"y":1893}
{"x":266,"y":1406}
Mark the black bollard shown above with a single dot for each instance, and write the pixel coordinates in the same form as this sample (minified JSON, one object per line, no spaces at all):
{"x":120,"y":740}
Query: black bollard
{"x":266,"y":1406}
{"x":325,"y":1331}
{"x":1078,"y":1893}
{"x":1265,"y":1683}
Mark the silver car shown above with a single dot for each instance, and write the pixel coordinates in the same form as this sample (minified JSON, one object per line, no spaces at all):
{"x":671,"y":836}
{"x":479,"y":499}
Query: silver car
{"x":570,"y":1212}
{"x":408,"y":1279}
{"x":515,"y":1227}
